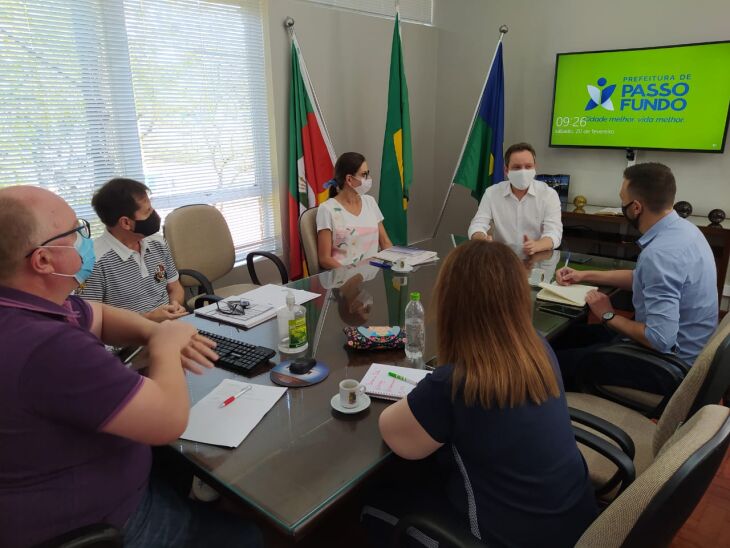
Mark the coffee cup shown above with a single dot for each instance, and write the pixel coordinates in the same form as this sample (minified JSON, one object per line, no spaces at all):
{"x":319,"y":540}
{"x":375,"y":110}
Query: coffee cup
{"x":351,"y":393}
{"x":536,"y":277}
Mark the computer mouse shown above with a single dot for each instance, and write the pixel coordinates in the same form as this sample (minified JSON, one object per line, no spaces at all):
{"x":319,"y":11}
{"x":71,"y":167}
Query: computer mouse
{"x":300,"y":366}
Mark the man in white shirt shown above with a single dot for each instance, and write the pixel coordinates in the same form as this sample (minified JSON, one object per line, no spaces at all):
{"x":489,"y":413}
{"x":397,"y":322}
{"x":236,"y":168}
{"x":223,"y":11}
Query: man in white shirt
{"x":526,"y":212}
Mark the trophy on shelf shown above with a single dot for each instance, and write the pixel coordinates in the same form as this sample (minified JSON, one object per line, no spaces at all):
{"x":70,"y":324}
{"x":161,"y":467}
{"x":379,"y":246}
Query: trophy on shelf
{"x":579,"y":202}
{"x":716,"y":216}
{"x":683,"y":209}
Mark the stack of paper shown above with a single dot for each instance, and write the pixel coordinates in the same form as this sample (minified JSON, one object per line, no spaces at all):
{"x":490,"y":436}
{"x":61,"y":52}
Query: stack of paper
{"x":410,"y":255}
{"x":378,"y":383}
{"x":265,"y":301}
{"x":228,"y":426}
{"x":609,"y":211}
{"x":572,"y":295}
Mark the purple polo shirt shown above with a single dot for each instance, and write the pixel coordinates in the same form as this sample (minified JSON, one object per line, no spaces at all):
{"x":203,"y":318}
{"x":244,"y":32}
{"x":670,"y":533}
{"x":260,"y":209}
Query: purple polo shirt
{"x":59,"y":386}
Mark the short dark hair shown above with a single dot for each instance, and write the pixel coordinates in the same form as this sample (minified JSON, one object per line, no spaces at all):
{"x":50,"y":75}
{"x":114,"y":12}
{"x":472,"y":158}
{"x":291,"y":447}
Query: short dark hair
{"x":347,"y":164}
{"x":518,"y":147}
{"x":653,"y":185}
{"x":117,"y":198}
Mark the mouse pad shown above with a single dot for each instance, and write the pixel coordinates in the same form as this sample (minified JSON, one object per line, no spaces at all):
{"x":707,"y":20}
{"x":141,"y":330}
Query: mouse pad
{"x":282,"y":376}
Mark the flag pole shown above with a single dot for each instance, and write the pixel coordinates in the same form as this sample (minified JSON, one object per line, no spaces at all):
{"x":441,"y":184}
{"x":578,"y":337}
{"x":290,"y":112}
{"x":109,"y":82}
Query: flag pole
{"x":289,"y":25}
{"x":503,"y":29}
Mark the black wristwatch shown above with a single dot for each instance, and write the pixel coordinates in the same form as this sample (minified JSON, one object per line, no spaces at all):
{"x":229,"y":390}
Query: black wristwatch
{"x":607,"y":317}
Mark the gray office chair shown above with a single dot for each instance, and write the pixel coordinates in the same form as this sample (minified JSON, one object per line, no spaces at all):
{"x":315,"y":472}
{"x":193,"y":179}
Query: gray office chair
{"x":648,"y":513}
{"x":640,"y":437}
{"x":308,"y":237}
{"x":203,"y":251}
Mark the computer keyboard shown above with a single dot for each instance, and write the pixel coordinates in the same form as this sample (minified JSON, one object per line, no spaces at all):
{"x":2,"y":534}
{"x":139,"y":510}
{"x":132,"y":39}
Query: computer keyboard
{"x":237,"y":356}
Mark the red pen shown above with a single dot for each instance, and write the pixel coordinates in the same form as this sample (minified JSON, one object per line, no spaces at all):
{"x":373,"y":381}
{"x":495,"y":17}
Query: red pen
{"x":233,"y":398}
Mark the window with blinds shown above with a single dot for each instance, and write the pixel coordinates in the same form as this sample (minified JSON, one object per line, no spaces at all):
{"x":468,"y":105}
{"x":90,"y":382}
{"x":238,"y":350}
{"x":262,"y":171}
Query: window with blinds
{"x":169,"y":92}
{"x":415,"y":11}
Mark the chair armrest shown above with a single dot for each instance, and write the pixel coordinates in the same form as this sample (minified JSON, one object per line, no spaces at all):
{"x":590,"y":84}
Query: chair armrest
{"x":99,"y":535}
{"x":606,"y":428}
{"x":206,"y":286}
{"x":273,"y":258}
{"x":667,"y":366}
{"x":204,"y":300}
{"x":439,"y":527}
{"x":652,"y":357}
{"x":626,"y":472}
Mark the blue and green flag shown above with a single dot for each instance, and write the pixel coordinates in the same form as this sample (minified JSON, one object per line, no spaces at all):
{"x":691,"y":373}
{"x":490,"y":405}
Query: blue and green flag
{"x":481,"y":164}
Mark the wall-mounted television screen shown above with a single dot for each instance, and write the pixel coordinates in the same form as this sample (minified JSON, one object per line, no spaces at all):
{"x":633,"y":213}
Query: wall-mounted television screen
{"x":671,"y":98}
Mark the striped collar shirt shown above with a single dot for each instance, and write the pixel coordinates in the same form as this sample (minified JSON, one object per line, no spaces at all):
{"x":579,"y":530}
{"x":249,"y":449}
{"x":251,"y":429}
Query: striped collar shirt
{"x":129,"y":279}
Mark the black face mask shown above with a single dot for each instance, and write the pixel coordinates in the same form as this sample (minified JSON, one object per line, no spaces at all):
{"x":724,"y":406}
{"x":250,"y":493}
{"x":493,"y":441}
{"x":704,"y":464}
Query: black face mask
{"x":148,"y":226}
{"x":633,"y":222}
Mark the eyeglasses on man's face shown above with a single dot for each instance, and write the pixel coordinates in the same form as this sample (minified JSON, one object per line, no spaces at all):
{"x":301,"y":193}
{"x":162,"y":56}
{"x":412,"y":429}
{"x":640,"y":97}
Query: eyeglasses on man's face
{"x":82,"y":227}
{"x":233,"y":307}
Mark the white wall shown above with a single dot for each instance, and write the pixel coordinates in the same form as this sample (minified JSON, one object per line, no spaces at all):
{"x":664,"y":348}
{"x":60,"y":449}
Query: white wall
{"x":468,"y":31}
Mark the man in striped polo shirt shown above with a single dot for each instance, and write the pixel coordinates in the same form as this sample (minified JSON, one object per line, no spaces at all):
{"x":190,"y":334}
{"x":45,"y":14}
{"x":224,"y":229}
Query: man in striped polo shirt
{"x":134,"y":268}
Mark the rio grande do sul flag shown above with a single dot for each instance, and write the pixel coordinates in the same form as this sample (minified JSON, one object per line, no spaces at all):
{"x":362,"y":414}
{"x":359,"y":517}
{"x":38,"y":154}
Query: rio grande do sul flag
{"x":311,"y":155}
{"x":396,"y":171}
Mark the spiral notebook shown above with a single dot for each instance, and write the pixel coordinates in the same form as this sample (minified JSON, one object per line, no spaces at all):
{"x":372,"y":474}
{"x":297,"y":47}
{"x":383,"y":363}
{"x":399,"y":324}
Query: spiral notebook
{"x":378,"y":383}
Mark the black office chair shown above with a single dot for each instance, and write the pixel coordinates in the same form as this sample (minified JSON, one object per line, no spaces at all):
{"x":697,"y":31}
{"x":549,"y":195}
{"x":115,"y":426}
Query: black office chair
{"x":668,"y":369}
{"x":648,"y":513}
{"x":98,"y":535}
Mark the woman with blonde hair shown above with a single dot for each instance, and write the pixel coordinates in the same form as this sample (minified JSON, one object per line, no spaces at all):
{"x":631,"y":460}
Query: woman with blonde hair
{"x":514,"y":475}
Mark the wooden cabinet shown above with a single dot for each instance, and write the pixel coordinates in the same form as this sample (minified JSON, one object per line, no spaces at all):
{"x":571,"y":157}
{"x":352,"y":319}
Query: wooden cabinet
{"x":611,"y":236}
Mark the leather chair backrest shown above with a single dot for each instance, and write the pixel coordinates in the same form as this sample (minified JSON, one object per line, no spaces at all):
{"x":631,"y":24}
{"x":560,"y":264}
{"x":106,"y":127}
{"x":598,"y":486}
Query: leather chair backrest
{"x":199,"y":239}
{"x":308,"y":237}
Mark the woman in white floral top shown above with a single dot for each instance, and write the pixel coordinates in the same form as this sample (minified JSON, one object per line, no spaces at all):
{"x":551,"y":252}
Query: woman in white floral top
{"x":349,"y":224}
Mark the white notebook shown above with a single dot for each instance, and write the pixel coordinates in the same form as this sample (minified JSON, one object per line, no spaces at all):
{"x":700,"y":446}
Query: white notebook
{"x":378,"y":383}
{"x":264,"y":302}
{"x":572,"y":295}
{"x":410,"y":255}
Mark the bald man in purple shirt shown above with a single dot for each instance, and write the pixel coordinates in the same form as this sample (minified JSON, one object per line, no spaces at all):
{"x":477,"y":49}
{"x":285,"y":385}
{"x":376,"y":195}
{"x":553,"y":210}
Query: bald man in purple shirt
{"x":75,"y":423}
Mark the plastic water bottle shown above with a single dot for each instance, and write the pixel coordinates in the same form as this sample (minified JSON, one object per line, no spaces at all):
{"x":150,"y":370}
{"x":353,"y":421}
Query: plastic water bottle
{"x":415,"y":328}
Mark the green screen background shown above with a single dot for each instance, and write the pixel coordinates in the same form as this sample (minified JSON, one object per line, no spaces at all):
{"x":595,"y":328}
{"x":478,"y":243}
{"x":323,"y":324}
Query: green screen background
{"x":703,"y":127}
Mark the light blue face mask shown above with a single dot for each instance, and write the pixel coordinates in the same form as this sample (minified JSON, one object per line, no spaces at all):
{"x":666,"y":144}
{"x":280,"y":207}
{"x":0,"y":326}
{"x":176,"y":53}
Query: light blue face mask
{"x":85,"y":249}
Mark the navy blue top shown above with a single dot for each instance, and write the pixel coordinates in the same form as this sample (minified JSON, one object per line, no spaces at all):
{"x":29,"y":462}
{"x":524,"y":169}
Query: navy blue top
{"x":515,"y":473}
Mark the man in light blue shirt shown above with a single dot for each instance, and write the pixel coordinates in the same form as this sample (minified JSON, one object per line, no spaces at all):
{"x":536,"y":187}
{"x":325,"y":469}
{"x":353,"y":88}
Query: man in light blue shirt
{"x":675,"y":281}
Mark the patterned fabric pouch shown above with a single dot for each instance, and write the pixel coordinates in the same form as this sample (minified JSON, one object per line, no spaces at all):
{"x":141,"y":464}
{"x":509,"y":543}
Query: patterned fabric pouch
{"x":375,"y":337}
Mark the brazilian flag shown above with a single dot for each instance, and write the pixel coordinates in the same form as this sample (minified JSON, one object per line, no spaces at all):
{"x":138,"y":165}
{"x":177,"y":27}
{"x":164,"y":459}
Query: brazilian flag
{"x":396,"y":169}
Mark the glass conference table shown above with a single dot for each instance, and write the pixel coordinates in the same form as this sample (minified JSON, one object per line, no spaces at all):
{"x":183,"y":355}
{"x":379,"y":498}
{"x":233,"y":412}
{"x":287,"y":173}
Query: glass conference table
{"x":304,"y":456}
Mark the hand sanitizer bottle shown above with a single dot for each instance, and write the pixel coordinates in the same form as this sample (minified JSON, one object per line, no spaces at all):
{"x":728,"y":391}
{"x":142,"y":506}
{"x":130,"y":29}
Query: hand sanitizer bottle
{"x":292,"y":320}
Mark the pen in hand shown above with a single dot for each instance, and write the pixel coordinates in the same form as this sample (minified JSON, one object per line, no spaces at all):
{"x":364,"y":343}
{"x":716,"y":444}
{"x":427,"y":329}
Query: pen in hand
{"x":233,"y":398}
{"x":567,"y":260}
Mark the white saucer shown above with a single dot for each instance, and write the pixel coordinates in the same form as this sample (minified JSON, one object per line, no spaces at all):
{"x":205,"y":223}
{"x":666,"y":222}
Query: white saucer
{"x":407,"y":268}
{"x":364,"y":404}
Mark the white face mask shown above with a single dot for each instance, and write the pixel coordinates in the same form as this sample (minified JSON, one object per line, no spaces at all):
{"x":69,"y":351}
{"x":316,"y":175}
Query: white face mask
{"x":365,"y":187}
{"x":521,"y":178}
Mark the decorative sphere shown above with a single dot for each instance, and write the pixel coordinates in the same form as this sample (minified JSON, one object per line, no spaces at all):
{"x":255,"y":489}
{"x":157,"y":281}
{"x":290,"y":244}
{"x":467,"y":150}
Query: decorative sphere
{"x":683,"y":209}
{"x":716,"y":216}
{"x":580,"y":201}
